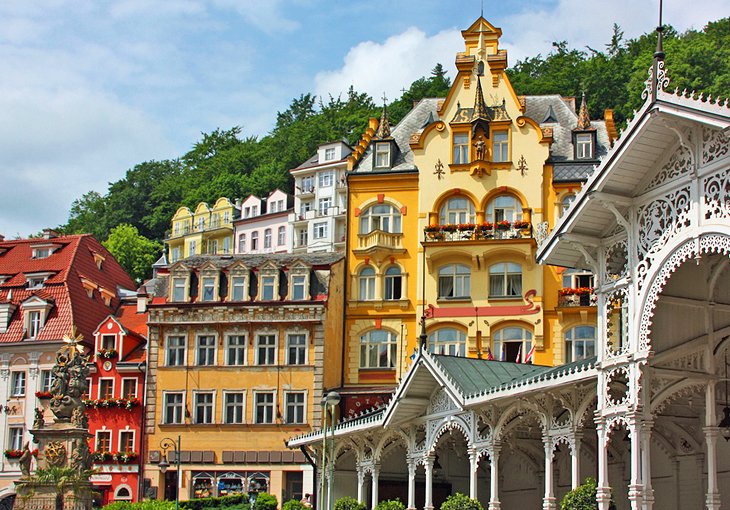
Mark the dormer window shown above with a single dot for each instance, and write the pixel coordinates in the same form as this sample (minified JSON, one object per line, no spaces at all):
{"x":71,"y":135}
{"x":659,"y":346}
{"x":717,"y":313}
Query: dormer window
{"x":584,"y":146}
{"x":41,"y":253}
{"x":382,"y":155}
{"x":246,"y":212}
{"x":36,"y":280}
{"x":35,"y":313}
{"x":267,"y":288}
{"x":269,"y":283}
{"x":299,"y":282}
{"x":329,"y":154}
{"x":238,"y":288}
{"x":201,"y":223}
{"x":108,"y":342}
{"x":179,"y":288}
{"x":208,"y":288}
{"x":35,"y":323}
{"x":255,"y":210}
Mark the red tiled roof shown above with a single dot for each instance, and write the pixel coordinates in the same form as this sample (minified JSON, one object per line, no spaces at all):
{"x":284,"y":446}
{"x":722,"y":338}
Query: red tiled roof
{"x":133,"y":321}
{"x":71,"y":306}
{"x":138,"y":355}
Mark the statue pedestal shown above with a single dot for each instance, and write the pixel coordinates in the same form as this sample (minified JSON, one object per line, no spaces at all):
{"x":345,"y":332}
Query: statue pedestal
{"x":33,"y":495}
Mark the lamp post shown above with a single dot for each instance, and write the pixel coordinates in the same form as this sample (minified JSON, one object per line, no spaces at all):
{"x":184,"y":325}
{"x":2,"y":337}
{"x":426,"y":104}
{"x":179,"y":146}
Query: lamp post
{"x":166,"y":444}
{"x":328,"y":403}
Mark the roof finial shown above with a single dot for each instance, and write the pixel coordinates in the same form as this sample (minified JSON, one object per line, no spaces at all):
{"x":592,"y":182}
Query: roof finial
{"x":481,"y":14}
{"x":584,"y":121}
{"x":658,"y":78}
{"x":383,"y":131}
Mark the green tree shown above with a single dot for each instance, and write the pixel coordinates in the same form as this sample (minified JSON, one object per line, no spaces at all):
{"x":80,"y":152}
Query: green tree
{"x":265,"y":501}
{"x":390,"y":504}
{"x":459,"y":501}
{"x":134,"y":252}
{"x":87,"y":216}
{"x":348,"y":503}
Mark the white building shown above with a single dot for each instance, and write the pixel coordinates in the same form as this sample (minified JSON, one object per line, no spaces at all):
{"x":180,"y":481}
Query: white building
{"x":263,"y":226}
{"x":320,"y":200}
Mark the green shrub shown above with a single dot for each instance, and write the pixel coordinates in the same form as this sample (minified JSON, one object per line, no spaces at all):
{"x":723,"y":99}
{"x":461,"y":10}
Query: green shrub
{"x":348,"y":503}
{"x":293,"y":504}
{"x":265,"y":501}
{"x":582,"y":497}
{"x":152,"y":504}
{"x":459,"y":501}
{"x":204,"y":503}
{"x":390,"y":504}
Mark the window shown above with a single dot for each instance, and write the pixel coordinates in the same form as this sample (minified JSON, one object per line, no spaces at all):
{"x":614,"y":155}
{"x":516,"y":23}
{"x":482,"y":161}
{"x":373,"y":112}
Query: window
{"x":461,"y":148}
{"x":367,"y":284}
{"x":175,"y":351}
{"x":226,"y":217}
{"x":264,"y":407}
{"x":504,"y":208}
{"x":212,"y":246}
{"x":382,"y":155}
{"x":308,"y":184}
{"x":129,"y":388}
{"x":273,"y":207}
{"x":294,"y":406}
{"x":305,"y":207}
{"x":106,"y":389}
{"x":320,"y":230}
{"x":192,"y":248}
{"x":296,"y":348}
{"x":242,"y":243}
{"x":266,"y":349}
{"x":122,"y":494}
{"x":583,"y":146}
{"x":457,"y":210}
{"x":454,"y":282}
{"x":178,"y":289}
{"x":580,"y":343}
{"x":380,"y":217}
{"x":267,"y":238}
{"x":206,"y":350}
{"x":512,"y":344}
{"x":255,"y":210}
{"x":36,"y":282}
{"x":505,"y":280}
{"x":238,"y":288}
{"x":46,"y":380}
{"x":298,"y":287}
{"x":500,"y":146}
{"x":108,"y":342}
{"x":201,"y":223}
{"x":268,"y":284}
{"x":393,"y":279}
{"x":35,"y":323}
{"x":233,"y":407}
{"x":447,"y":341}
{"x":565,"y":203}
{"x":324,"y":205}
{"x":282,"y":236}
{"x":175,"y":254}
{"x":41,"y":253}
{"x":246,"y":212}
{"x":236,"y":350}
{"x":325,"y":179}
{"x":126,"y":441}
{"x":203,"y":405}
{"x":208,"y":286}
{"x":15,"y":438}
{"x":280,"y":203}
{"x":303,"y":237}
{"x":378,"y":349}
{"x":17,"y":384}
{"x":576,"y":279}
{"x":329,"y":154}
{"x":254,"y":241}
{"x":173,"y":408}
{"x":103,"y":440}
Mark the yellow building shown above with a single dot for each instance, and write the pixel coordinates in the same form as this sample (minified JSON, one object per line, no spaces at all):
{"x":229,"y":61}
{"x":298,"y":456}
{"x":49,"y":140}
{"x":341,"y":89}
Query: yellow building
{"x":205,"y":231}
{"x":240,"y":349}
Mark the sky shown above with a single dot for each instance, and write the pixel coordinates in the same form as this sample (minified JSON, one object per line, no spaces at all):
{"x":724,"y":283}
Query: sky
{"x":90,"y":88}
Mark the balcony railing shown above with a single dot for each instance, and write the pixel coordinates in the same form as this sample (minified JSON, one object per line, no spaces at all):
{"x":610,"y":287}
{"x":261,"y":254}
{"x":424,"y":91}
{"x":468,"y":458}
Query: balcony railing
{"x":212,"y":225}
{"x":379,"y":240}
{"x":482,"y":232}
{"x":570,"y":297}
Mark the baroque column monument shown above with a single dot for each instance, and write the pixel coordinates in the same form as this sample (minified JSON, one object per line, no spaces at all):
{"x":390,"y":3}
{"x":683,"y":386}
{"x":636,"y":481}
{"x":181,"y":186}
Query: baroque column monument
{"x":61,"y":480}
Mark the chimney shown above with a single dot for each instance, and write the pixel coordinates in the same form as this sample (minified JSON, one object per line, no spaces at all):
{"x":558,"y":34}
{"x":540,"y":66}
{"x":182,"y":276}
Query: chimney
{"x":49,"y":233}
{"x":2,"y":238}
{"x":141,"y":300}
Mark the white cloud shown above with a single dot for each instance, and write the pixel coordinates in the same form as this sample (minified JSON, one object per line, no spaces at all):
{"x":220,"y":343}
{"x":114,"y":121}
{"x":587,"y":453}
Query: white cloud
{"x":266,"y":15}
{"x":390,"y":66}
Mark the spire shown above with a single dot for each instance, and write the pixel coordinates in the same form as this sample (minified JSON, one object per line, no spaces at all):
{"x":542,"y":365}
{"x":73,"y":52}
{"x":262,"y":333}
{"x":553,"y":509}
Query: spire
{"x":383,"y":131}
{"x":584,"y":121}
{"x":658,"y":78}
{"x":480,"y":107}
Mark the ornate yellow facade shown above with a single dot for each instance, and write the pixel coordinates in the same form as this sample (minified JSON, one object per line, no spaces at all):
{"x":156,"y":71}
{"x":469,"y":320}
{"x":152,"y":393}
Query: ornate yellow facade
{"x":205,"y":231}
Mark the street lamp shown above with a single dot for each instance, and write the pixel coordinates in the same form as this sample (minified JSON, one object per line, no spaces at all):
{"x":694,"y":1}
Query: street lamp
{"x":328,"y":402}
{"x":166,"y":444}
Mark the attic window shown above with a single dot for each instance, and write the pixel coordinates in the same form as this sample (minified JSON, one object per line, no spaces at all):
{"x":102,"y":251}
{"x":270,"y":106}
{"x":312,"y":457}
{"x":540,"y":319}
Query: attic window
{"x":329,"y":154}
{"x":41,"y":253}
{"x":382,"y":155}
{"x":584,"y":146}
{"x":106,"y":295}
{"x":36,"y":280}
{"x":98,"y":259}
{"x":89,"y":286}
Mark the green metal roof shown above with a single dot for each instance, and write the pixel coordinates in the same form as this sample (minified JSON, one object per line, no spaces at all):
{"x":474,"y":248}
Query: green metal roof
{"x":473,"y":375}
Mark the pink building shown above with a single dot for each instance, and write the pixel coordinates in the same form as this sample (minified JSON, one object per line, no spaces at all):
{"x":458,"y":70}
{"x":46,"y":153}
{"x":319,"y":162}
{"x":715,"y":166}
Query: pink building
{"x":264,"y":224}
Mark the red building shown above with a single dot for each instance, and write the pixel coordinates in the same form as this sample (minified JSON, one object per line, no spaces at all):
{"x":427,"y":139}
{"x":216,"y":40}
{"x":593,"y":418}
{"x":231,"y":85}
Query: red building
{"x":115,"y":405}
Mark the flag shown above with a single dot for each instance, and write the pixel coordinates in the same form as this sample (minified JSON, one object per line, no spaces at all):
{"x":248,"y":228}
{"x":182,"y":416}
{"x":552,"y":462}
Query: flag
{"x":490,"y":357}
{"x":528,"y":358}
{"x":519,"y":354}
{"x":503,"y":356}
{"x":413,"y":356}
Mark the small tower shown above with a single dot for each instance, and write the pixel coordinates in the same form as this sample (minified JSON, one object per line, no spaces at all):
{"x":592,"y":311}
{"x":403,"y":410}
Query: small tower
{"x":385,"y":149}
{"x":584,"y":135}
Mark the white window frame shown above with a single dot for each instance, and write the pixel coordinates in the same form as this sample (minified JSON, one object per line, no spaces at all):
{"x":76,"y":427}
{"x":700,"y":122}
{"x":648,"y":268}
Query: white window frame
{"x":324,"y":205}
{"x":366,"y":283}
{"x":460,"y":155}
{"x":16,"y":435}
{"x":254,"y":240}
{"x":571,"y":343}
{"x":526,"y":339}
{"x":107,"y":433}
{"x":437,"y":344}
{"x":368,"y":345}
{"x":242,"y":243}
{"x":18,"y":383}
{"x":181,"y":407}
{"x":46,"y":380}
{"x":184,"y":348}
{"x":209,"y":417}
{"x":301,"y":350}
{"x":103,"y":342}
{"x":179,"y":284}
{"x":127,"y":380}
{"x":281,"y":239}
{"x":199,"y":347}
{"x":383,"y":217}
{"x":583,"y":146}
{"x":326,"y":179}
{"x":255,"y":407}
{"x":505,"y":273}
{"x":499,"y":210}
{"x":329,"y":154}
{"x":242,"y":347}
{"x":458,"y":209}
{"x":225,"y":406}
{"x":268,"y":283}
{"x":500,"y":146}
{"x":390,"y":292}
{"x":208,"y":281}
{"x":258,"y":346}
{"x":134,"y":440}
{"x":302,"y":405}
{"x":320,"y":230}
{"x":35,"y":323}
{"x":382,"y":155}
{"x":460,"y":276}
{"x":98,"y":390}
{"x":243,"y":286}
{"x":308,"y":184}
{"x":267,"y":238}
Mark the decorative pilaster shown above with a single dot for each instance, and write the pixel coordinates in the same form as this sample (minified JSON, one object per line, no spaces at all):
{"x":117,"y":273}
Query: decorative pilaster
{"x":411,"y":485}
{"x":548,"y":501}
{"x":603,"y":491}
{"x":473,"y":465}
{"x":428,"y":500}
{"x":646,"y":464}
{"x":712,"y":498}
{"x":575,"y":461}
{"x":636,"y":487}
{"x":360,"y":484}
{"x":494,"y":503}
{"x":375,"y":473}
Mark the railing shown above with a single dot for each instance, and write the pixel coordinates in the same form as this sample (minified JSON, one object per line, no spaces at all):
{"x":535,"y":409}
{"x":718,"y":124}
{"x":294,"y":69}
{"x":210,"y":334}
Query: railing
{"x":569,"y":297}
{"x":379,"y":239}
{"x":212,"y":225}
{"x":485,"y":232}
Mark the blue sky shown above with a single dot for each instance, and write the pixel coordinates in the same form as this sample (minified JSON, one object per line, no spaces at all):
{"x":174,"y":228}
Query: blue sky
{"x":91,"y":87}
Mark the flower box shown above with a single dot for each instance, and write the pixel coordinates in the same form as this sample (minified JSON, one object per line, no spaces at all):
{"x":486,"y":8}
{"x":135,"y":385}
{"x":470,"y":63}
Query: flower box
{"x":107,"y":353}
{"x":13,"y":454}
{"x":43,"y":394}
{"x":503,"y":225}
{"x":521,"y":224}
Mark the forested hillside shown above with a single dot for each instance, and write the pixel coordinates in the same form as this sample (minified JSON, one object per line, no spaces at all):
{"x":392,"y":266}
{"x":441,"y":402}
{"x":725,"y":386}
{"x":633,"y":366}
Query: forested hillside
{"x":227,"y":162}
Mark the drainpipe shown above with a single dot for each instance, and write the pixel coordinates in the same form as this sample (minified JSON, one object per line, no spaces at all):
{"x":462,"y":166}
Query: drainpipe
{"x":140,"y":478}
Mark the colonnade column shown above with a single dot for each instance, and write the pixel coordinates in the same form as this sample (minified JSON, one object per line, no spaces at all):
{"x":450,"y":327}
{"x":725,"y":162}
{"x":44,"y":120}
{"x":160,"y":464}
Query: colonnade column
{"x":411,"y":485}
{"x":428,"y":502}
{"x":636,"y":488}
{"x":360,"y":484}
{"x":548,"y":502}
{"x":646,"y":464}
{"x":473,"y":478}
{"x":575,"y":461}
{"x":494,"y":503}
{"x":712,"y":498}
{"x":374,"y":494}
{"x":603,"y":491}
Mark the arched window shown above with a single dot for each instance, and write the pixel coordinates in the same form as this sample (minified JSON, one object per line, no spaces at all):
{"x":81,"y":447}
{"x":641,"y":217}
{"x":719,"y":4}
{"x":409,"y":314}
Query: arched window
{"x":123,"y":494}
{"x":393,"y":281}
{"x":267,"y":238}
{"x":383,"y":217}
{"x":580,"y":343}
{"x":505,"y":280}
{"x":254,"y":241}
{"x":565,"y":203}
{"x":242,"y":243}
{"x":512,"y":344}
{"x":454,"y":281}
{"x":504,"y":208}
{"x":282,"y":236}
{"x":447,"y":341}
{"x":366,"y":280}
{"x":457,"y":210}
{"x":378,"y":349}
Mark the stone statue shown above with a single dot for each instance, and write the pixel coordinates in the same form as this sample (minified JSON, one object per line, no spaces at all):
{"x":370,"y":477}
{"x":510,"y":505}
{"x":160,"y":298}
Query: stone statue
{"x":81,"y":457}
{"x":70,"y":384}
{"x":79,"y":418}
{"x":38,"y":421}
{"x":25,"y":461}
{"x":481,"y":148}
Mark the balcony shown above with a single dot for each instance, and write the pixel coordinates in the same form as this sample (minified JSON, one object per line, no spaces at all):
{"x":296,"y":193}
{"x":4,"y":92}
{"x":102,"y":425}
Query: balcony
{"x":574,"y":297}
{"x":482,"y":232}
{"x":379,"y":241}
{"x":306,"y":193}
